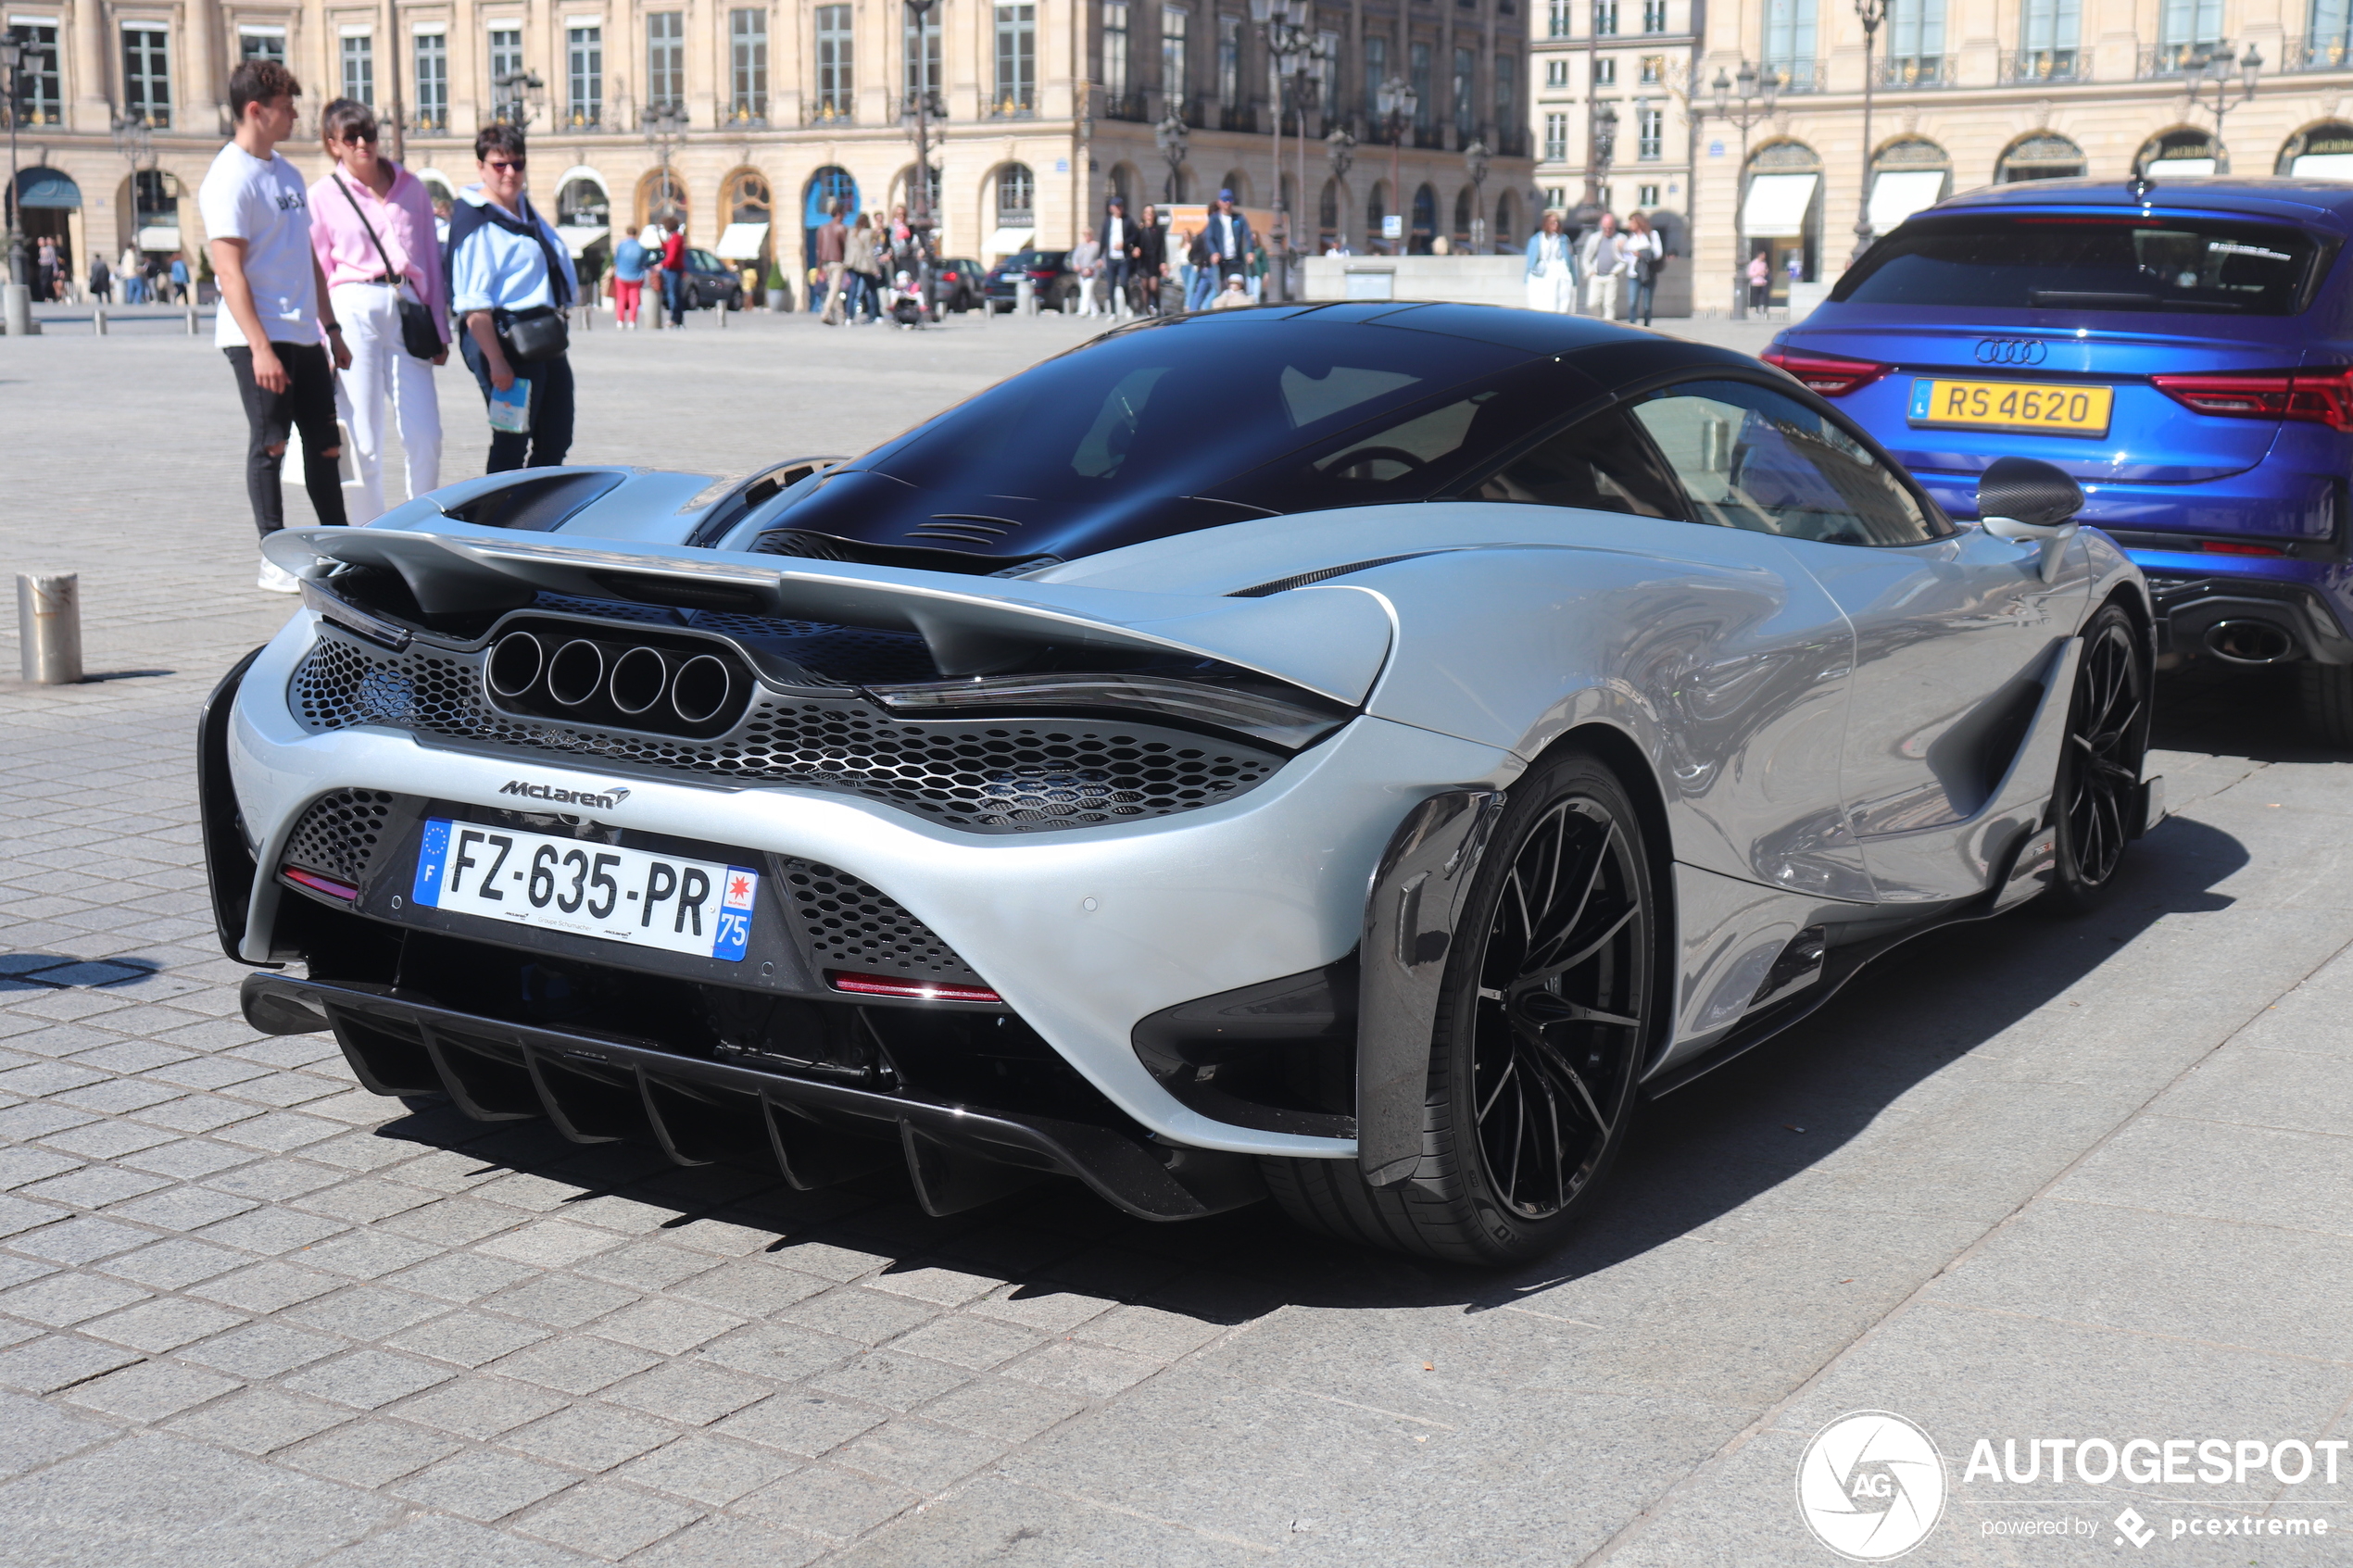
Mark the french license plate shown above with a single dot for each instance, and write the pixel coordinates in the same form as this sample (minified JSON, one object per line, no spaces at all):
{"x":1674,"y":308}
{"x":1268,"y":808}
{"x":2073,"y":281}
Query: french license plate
{"x":698,"y":907}
{"x":2002,"y":405}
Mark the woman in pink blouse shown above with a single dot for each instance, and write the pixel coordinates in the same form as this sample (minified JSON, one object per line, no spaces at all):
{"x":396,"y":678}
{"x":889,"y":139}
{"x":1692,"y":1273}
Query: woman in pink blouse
{"x":371,"y":224}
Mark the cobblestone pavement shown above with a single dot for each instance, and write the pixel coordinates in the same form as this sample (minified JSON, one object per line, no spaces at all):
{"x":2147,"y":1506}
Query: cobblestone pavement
{"x":2029,"y":1178}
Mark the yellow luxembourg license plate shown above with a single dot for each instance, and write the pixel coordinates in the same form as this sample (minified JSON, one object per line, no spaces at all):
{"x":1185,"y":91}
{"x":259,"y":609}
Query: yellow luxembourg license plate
{"x":2003,"y":404}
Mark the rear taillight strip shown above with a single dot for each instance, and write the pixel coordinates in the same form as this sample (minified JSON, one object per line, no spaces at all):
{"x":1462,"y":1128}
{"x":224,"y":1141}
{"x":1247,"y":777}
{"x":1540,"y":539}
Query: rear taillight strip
{"x":2307,"y":396}
{"x":1832,"y":375}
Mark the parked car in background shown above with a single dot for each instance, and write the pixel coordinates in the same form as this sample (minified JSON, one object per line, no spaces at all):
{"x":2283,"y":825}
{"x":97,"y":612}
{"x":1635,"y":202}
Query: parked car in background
{"x":1049,"y":272}
{"x":2184,"y":348}
{"x":712,"y":282}
{"x":960,"y":284}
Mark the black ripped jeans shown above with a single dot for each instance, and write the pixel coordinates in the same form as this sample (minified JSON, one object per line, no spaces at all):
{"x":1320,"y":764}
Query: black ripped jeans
{"x":308,"y":404}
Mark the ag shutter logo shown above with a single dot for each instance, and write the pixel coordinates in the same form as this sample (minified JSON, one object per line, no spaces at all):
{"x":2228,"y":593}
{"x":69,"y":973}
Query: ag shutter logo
{"x":1870,"y":1485}
{"x":2012,"y":351}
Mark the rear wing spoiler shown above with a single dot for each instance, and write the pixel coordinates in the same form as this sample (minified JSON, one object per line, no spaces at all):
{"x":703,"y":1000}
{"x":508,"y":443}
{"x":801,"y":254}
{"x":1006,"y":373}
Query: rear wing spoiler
{"x":1331,"y":641}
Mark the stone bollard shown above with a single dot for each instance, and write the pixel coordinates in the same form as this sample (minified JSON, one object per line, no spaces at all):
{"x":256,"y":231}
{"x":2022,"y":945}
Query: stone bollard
{"x":49,"y":628}
{"x":98,"y":321}
{"x":1024,"y":296}
{"x":723,"y":313}
{"x":16,"y":302}
{"x":192,"y":320}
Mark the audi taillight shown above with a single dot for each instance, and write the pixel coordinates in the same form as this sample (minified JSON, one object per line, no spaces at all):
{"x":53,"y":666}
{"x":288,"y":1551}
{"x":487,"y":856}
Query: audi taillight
{"x":2232,"y":548}
{"x":1832,"y":375}
{"x":2323,"y":397}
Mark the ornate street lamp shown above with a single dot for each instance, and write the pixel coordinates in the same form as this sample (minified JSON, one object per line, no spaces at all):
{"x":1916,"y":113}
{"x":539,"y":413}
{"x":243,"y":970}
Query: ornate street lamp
{"x":1755,"y":109}
{"x":665,"y":127}
{"x":1475,"y":161}
{"x":2212,"y":67}
{"x":1396,"y":103}
{"x":1870,"y":13}
{"x":1289,"y":39}
{"x":517,"y":96}
{"x":1170,"y":135}
{"x":13,"y":50}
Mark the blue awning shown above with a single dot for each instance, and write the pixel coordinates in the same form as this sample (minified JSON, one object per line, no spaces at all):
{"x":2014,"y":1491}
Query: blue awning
{"x":47,"y":187}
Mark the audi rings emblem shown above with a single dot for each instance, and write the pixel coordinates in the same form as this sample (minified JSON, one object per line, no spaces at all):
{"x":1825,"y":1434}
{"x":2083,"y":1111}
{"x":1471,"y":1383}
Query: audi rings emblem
{"x":2012,"y":351}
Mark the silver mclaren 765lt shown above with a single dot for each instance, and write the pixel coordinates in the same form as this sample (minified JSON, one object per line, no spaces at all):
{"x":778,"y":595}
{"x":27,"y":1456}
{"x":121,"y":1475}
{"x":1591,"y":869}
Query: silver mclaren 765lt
{"x":1350,"y":754}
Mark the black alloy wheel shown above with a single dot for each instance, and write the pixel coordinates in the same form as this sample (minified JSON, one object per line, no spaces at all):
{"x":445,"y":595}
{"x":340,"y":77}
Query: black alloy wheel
{"x":2096,"y":804}
{"x":1551,"y":1005}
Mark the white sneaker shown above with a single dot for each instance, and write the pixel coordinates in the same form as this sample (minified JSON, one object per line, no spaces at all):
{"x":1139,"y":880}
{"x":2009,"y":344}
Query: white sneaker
{"x":276,"y":579}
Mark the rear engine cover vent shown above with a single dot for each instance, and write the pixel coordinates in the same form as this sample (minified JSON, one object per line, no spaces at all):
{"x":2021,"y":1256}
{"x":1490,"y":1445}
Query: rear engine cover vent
{"x":339,"y":835}
{"x":849,"y":924}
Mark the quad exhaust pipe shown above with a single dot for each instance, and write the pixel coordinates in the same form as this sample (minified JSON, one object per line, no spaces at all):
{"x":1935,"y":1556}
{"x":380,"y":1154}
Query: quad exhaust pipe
{"x":2249,"y":641}
{"x":640,"y":683}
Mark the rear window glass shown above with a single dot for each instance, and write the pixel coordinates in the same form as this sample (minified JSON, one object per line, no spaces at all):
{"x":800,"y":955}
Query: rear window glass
{"x":2034,"y":261}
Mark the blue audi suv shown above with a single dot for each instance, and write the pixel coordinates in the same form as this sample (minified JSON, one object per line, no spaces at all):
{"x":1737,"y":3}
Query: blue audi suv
{"x":2184,"y":348}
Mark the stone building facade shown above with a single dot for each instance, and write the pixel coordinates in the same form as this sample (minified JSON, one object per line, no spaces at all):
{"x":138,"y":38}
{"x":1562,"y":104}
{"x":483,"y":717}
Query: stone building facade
{"x":1965,"y":96}
{"x":748,"y":117}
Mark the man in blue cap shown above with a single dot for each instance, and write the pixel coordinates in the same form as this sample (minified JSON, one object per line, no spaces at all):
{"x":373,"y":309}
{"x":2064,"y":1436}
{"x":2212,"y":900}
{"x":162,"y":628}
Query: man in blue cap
{"x":1228,"y":241}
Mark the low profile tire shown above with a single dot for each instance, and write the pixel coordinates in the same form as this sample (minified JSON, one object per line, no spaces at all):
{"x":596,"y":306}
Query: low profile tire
{"x":1550,"y":1001}
{"x":2099,"y":775}
{"x":2326,"y":692}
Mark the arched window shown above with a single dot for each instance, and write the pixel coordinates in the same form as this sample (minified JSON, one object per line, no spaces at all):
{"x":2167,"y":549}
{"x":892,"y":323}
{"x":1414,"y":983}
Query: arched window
{"x":2319,"y":152}
{"x":1377,"y":209}
{"x":745,"y":203}
{"x":1507,"y":219}
{"x":1016,"y":198}
{"x":1781,"y":212}
{"x":1463,"y":215}
{"x":2040,"y":157}
{"x":2184,"y":152}
{"x":1908,"y":174}
{"x":828,"y":185}
{"x":1238,"y":183}
{"x":1328,"y":210}
{"x":1424,"y":220}
{"x":582,"y":203}
{"x":661,"y":198}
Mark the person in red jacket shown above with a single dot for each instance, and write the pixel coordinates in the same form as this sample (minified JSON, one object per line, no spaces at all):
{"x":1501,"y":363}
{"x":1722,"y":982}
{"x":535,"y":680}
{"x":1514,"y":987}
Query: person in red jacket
{"x":673,"y":272}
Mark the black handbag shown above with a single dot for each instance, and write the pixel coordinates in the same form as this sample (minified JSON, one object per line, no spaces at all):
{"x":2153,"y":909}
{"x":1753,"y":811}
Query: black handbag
{"x":417,"y":333}
{"x":537,"y":333}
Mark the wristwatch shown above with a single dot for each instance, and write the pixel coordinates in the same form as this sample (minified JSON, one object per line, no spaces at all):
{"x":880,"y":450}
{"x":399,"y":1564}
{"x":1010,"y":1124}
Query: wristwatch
{"x":335,"y":329}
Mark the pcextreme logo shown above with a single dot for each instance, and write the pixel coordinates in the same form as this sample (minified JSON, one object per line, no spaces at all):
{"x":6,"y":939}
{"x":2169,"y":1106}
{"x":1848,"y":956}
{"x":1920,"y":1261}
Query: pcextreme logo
{"x":1870,"y":1485}
{"x":613,"y":796}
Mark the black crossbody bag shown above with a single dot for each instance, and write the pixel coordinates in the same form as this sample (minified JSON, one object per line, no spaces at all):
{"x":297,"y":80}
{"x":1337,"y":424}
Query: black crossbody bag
{"x":540,"y":333}
{"x":417,"y":334}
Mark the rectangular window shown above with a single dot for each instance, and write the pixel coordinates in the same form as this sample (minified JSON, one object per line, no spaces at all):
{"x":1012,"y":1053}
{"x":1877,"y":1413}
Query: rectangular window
{"x":1230,"y":62}
{"x":1555,"y":198}
{"x":1557,"y":20}
{"x":147,"y":76}
{"x":1376,"y":71}
{"x":1326,"y":71}
{"x":505,"y":73}
{"x":2331,"y":44}
{"x":585,"y":77}
{"x":1556,"y":71}
{"x":1789,"y":38}
{"x":1424,"y":100}
{"x":1507,"y":124}
{"x":666,"y":60}
{"x":1465,"y":99}
{"x":2051,"y":31}
{"x":1915,"y":41}
{"x":430,"y":73}
{"x":1115,"y":51}
{"x":1175,"y":62}
{"x":360,"y":68}
{"x":920,"y":50}
{"x":1555,"y":139}
{"x":1017,"y":58}
{"x":836,"y":63}
{"x":1654,"y":16}
{"x":748,"y":67}
{"x":1605,"y":72}
{"x":43,"y":98}
{"x":2184,"y":24}
{"x":1646,"y":195}
{"x":1653,"y":70}
{"x":1604,"y":19}
{"x":1649,"y":133}
{"x":257,"y":45}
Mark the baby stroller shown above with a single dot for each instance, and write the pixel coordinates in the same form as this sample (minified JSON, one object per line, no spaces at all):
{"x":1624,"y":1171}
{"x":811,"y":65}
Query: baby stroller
{"x":906,"y":304}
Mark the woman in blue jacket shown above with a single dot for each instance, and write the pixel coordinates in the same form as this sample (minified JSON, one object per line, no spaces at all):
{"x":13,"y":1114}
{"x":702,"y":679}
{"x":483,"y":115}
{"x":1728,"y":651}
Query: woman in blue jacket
{"x":1552,"y":269}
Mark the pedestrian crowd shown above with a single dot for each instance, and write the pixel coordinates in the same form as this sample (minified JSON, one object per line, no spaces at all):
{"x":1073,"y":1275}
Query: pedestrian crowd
{"x":1590,"y":273}
{"x":338,"y":301}
{"x":870,"y":270}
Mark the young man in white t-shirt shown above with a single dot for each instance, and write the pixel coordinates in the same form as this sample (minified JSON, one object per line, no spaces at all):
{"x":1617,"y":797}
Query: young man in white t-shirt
{"x":257,"y":223}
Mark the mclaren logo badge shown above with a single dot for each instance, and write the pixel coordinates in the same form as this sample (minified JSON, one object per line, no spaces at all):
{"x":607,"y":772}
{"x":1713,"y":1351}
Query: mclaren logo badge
{"x":610,"y":796}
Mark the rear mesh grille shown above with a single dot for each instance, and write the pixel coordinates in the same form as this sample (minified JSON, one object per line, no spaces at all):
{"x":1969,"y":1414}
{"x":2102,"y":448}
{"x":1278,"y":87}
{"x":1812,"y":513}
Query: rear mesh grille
{"x":978,"y":775}
{"x":851,"y":925}
{"x":339,"y":835}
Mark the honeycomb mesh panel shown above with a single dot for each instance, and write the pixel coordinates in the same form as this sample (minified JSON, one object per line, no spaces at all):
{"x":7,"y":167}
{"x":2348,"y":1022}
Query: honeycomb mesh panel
{"x":978,"y":775}
{"x":338,"y":835}
{"x":851,"y":924}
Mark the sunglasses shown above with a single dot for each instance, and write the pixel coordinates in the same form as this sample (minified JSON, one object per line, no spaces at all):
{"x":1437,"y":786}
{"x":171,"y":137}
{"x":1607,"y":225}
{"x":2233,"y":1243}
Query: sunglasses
{"x":353,"y":138}
{"x":502,"y":167}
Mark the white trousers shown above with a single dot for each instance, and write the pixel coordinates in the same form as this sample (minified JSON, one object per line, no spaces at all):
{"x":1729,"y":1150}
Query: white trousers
{"x":1553,"y":290}
{"x":382,"y":369}
{"x":1601,"y":296}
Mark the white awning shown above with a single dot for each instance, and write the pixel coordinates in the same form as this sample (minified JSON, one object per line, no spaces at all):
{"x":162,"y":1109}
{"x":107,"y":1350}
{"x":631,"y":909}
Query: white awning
{"x":158,"y":237}
{"x":1899,"y":193}
{"x":1004,"y":241}
{"x":1777,"y":203}
{"x":578,"y":237}
{"x":2179,"y":168}
{"x":2324,"y":166}
{"x":741,"y":242}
